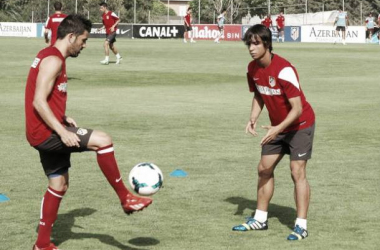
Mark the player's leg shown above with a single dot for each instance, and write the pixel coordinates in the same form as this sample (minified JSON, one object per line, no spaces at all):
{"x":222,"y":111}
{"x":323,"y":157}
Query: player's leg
{"x":56,"y":169}
{"x":265,"y":185}
{"x":185,"y":35}
{"x":278,"y":34}
{"x":265,"y":189}
{"x":106,"y":53}
{"x":283,"y":35}
{"x":301,"y":144}
{"x":191,"y":35}
{"x":112,"y":39}
{"x":102,"y":144}
{"x":344,"y":36}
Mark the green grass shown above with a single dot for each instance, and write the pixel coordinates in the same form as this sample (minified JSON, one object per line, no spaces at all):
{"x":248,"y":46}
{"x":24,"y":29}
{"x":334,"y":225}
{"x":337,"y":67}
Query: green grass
{"x":186,"y":106}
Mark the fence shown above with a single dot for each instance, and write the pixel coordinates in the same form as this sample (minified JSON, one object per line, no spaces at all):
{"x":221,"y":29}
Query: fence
{"x":165,"y":12}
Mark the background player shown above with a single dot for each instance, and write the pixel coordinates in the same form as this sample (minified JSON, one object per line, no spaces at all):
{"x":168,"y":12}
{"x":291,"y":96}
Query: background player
{"x":56,"y":136}
{"x":267,"y":22}
{"x":378,"y":25}
{"x":110,"y":22}
{"x":275,"y":84}
{"x":188,"y":27}
{"x":341,"y":23}
{"x":280,"y":20}
{"x":221,"y":20}
{"x":53,"y":22}
{"x":370,"y":26}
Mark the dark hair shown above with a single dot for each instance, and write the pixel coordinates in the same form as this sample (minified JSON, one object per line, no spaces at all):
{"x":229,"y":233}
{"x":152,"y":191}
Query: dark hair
{"x":261,"y":31}
{"x":190,"y":8}
{"x":104,"y":4}
{"x":58,"y":6}
{"x":223,"y":10}
{"x":76,"y":24}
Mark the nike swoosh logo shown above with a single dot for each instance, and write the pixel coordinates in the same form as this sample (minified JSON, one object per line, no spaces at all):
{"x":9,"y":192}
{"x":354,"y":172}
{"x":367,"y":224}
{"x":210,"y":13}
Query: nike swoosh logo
{"x":300,"y":155}
{"x":117,"y":180}
{"x":124,"y":31}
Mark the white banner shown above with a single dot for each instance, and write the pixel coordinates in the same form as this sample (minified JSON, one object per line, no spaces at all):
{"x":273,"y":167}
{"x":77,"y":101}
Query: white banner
{"x":327,"y":34}
{"x":18,"y":29}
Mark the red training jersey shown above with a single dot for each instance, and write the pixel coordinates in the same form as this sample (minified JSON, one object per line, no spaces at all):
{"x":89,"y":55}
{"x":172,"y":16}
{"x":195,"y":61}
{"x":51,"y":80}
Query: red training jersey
{"x":52,"y":24}
{"x":109,"y":19}
{"x":280,"y":21}
{"x":37,"y":131}
{"x":267,"y":22}
{"x":188,"y":20}
{"x":276,"y":84}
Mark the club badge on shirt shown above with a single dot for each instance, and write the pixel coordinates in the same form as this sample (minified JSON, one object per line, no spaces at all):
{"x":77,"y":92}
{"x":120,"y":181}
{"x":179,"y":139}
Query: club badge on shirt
{"x":272,"y":81}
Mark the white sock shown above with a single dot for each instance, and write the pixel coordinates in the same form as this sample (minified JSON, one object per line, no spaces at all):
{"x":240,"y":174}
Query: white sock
{"x":261,"y":216}
{"x":107,"y":58}
{"x":302,"y":223}
{"x":118,"y":55}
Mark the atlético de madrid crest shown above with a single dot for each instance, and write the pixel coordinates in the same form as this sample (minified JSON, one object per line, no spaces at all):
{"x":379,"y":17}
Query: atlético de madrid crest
{"x":272,"y":81}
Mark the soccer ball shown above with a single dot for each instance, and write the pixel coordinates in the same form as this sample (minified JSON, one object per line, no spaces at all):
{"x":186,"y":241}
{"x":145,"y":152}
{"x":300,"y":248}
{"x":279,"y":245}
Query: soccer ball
{"x":146,"y":178}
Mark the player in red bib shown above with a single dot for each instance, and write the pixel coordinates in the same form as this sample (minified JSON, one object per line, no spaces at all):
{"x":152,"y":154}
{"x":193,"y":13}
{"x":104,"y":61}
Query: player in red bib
{"x":188,"y":28}
{"x":275,"y":84}
{"x":267,"y":22}
{"x":110,"y":22}
{"x":56,"y":136}
{"x":280,"y":27}
{"x":53,"y":22}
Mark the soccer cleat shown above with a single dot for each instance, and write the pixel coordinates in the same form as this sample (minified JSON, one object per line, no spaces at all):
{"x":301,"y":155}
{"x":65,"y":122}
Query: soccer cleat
{"x":251,"y":224}
{"x":134,"y":203}
{"x":184,"y":41}
{"x":298,"y":233}
{"x":192,"y":41}
{"x":51,"y":247}
{"x":104,"y":62}
{"x":118,"y":60}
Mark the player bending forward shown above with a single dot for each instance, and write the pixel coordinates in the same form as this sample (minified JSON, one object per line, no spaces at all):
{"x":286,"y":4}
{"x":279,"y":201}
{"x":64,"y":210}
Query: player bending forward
{"x":275,"y":84}
{"x":56,"y":136}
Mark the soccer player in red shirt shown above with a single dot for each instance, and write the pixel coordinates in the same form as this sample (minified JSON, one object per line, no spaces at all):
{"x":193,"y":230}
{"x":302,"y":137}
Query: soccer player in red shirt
{"x":188,"y":28}
{"x":280,"y":27}
{"x":267,"y":22}
{"x":275,"y":84}
{"x":110,"y":22}
{"x":56,"y":135}
{"x":53,"y":22}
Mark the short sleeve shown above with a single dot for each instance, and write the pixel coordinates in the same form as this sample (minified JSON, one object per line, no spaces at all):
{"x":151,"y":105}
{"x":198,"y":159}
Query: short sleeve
{"x":288,"y":79}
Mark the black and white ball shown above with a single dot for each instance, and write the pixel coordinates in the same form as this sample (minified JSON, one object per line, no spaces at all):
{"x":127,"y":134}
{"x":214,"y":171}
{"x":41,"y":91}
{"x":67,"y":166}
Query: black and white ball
{"x":146,"y":178}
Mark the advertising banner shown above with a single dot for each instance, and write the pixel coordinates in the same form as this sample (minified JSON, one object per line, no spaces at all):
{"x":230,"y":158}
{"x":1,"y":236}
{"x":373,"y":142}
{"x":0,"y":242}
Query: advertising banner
{"x":244,"y":29}
{"x":124,"y":31}
{"x":18,"y":29}
{"x":327,"y":34}
{"x":211,"y":31}
{"x":158,"y":31}
{"x":292,"y":33}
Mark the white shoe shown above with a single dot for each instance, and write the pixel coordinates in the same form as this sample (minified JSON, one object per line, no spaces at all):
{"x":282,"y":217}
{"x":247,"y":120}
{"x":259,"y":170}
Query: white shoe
{"x":104,"y":62}
{"x":118,"y":60}
{"x":192,"y":41}
{"x":184,"y":41}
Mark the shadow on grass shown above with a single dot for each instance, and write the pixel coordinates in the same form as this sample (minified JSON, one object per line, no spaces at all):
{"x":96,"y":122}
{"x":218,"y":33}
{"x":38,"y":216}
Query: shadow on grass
{"x":286,"y":215}
{"x":65,"y":222}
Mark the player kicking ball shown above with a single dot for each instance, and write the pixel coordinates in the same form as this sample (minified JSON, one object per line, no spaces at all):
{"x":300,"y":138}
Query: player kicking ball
{"x":275,"y":84}
{"x":56,"y":136}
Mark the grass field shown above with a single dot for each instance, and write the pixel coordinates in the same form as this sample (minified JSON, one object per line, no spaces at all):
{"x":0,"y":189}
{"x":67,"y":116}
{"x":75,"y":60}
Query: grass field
{"x":185,"y":106}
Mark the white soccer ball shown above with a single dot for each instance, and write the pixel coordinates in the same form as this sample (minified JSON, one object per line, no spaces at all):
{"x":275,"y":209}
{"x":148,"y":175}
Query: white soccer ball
{"x":146,"y":178}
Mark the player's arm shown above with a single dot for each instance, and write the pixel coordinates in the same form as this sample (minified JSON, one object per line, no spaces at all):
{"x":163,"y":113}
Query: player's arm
{"x":117,"y":21}
{"x":49,"y":70}
{"x":257,"y":107}
{"x":46,"y":35}
{"x":101,"y":28}
{"x":294,"y":114}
